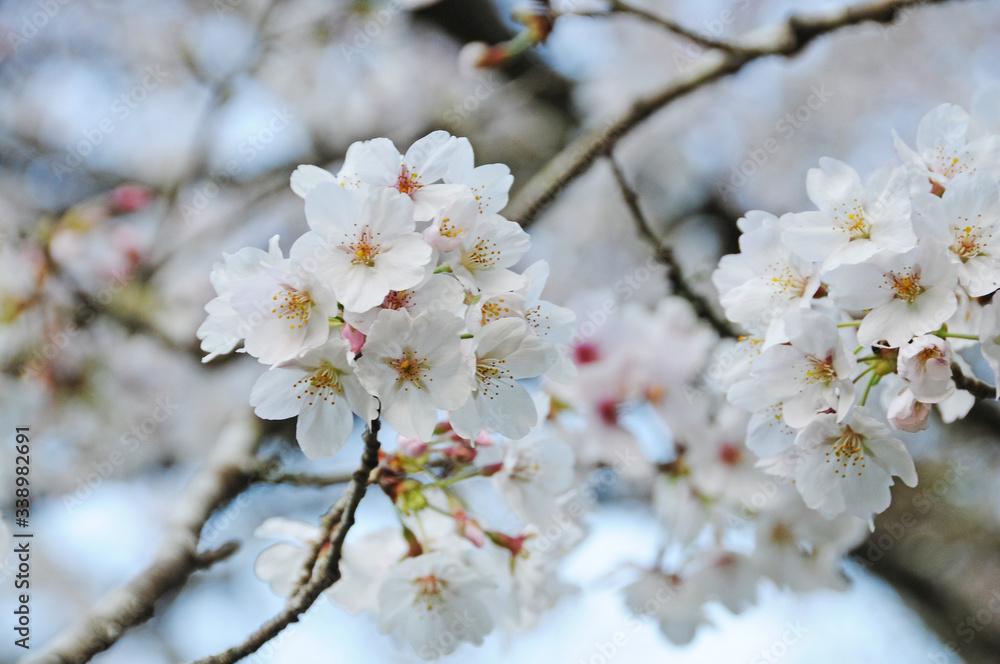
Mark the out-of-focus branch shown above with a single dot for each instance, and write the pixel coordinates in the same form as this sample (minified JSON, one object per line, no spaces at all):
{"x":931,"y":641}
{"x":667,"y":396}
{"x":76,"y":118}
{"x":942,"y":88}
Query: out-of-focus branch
{"x":303,"y":479}
{"x":665,"y":254}
{"x":971,"y":384}
{"x":619,"y":7}
{"x":326,"y":571}
{"x":226,"y":474}
{"x":784,"y":39}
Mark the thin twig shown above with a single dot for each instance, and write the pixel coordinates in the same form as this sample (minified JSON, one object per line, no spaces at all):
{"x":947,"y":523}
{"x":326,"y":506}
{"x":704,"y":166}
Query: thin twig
{"x":619,"y":7}
{"x":304,"y":479}
{"x":327,"y":568}
{"x":971,"y":384}
{"x":665,"y":254}
{"x":784,"y":39}
{"x":224,"y":476}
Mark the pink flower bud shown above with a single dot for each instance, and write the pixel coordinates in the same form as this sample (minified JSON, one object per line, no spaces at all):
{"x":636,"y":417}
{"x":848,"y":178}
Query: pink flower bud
{"x":908,"y":414}
{"x":353,"y":337}
{"x":411,"y":447}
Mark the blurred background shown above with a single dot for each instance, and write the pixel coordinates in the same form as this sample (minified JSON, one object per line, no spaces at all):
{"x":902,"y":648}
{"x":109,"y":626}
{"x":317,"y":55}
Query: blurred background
{"x":139,"y":140}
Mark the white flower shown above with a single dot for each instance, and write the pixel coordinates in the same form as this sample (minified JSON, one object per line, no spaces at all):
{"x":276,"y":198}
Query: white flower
{"x":966,"y":219}
{"x":989,"y":338}
{"x":854,"y":221}
{"x":554,"y":324}
{"x":224,"y":328}
{"x":363,"y":245}
{"x":674,"y":602}
{"x":377,"y":163}
{"x":435,"y":601}
{"x":485,"y":251}
{"x":767,"y":432}
{"x":944,"y":151}
{"x":415,"y":366}
{"x":284,"y":310}
{"x":849,"y":466}
{"x":365,"y":563}
{"x":908,"y":294}
{"x":450,"y":222}
{"x":505,"y":351}
{"x":536,"y":471}
{"x":810,"y":374}
{"x":925,"y":365}
{"x":281,"y":565}
{"x":321,"y":388}
{"x":438,"y":292}
{"x":906,"y":413}
{"x":489,"y":184}
{"x":759,"y":284}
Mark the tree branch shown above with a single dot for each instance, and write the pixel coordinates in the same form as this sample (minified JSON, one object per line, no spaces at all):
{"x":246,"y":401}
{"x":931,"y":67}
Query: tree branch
{"x":226,"y":474}
{"x":784,"y":39}
{"x":665,"y":255}
{"x":971,"y":384}
{"x":619,"y":7}
{"x":327,"y":569}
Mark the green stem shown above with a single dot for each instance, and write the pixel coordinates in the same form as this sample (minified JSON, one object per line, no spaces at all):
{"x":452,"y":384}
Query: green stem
{"x":448,"y":481}
{"x":864,"y":397}
{"x":860,"y":375}
{"x":853,"y":323}
{"x":465,"y":336}
{"x":946,"y":335}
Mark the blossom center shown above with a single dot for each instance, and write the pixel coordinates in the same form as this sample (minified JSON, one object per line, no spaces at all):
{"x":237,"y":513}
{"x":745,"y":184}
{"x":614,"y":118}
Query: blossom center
{"x":407,"y":182}
{"x":365,"y":250}
{"x":526,"y":468}
{"x":848,"y":449}
{"x":483,"y":256}
{"x":448,"y":230}
{"x":821,"y":371}
{"x":494,"y":310}
{"x":907,"y":285}
{"x":856,"y":224}
{"x":293,"y":306}
{"x":788,"y":283}
{"x":323,"y":384}
{"x":396,"y":300}
{"x":409,"y":368}
{"x":429,"y":590}
{"x":967,"y":243}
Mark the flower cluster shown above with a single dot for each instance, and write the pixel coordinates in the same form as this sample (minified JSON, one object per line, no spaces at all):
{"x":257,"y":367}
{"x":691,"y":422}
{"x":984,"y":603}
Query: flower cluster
{"x":903,"y":265}
{"x":444,"y":577}
{"x":641,"y":407}
{"x":400,"y":301}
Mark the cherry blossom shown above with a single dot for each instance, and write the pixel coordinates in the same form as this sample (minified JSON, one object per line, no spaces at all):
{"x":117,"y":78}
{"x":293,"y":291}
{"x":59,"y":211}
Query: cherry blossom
{"x":415,"y":366}
{"x":433,"y":595}
{"x":855,"y":221}
{"x":849,"y":466}
{"x":909,"y":294}
{"x":323,"y":390}
{"x":364,"y":244}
